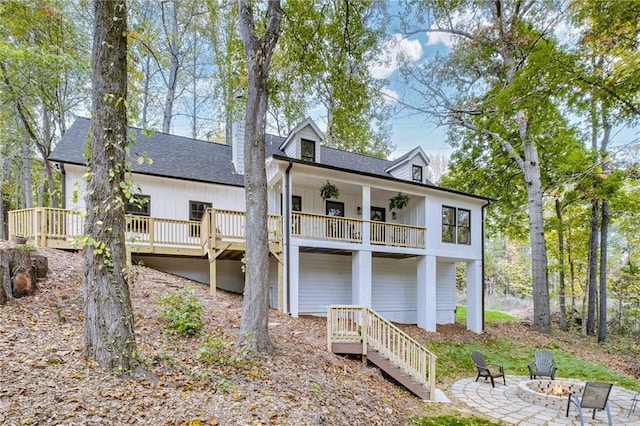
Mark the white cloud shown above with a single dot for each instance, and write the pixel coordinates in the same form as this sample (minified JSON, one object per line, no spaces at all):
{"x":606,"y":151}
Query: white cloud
{"x":436,"y":37}
{"x":390,"y":96}
{"x":395,"y":51}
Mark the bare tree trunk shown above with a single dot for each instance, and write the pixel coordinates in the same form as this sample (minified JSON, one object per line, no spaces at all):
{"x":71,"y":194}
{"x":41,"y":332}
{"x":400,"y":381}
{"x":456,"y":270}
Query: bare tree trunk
{"x":541,"y":308}
{"x":588,"y":327}
{"x":602,"y":306}
{"x":174,"y":65}
{"x":5,"y":179}
{"x":108,"y":317}
{"x":604,"y":235}
{"x":561,"y":283}
{"x":25,"y":174}
{"x":255,"y":305}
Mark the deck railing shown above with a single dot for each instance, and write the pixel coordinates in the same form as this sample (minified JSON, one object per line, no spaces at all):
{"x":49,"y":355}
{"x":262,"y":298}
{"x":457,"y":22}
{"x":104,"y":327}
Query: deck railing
{"x":362,"y":325}
{"x":230,"y":226}
{"x":323,"y":227}
{"x":391,"y":234}
{"x":151,"y":231}
{"x":317,"y":226}
{"x":62,"y":228}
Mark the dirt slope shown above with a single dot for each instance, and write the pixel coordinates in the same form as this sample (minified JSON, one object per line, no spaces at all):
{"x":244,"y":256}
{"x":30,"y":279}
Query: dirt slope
{"x":44,"y":378}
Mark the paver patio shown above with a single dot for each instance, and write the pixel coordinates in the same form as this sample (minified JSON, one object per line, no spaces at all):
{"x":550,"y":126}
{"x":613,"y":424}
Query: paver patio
{"x":503,"y":403}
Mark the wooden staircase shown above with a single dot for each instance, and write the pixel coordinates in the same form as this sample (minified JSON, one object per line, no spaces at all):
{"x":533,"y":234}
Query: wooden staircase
{"x":359,"y":330}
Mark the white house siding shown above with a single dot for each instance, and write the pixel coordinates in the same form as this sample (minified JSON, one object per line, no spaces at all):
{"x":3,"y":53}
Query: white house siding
{"x":229,"y":273}
{"x":445,"y":292}
{"x":324,"y":280}
{"x":169,"y":197}
{"x":394,"y":290}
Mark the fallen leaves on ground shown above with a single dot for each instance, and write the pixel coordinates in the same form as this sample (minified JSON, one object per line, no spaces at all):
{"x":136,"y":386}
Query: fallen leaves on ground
{"x":45,"y":378}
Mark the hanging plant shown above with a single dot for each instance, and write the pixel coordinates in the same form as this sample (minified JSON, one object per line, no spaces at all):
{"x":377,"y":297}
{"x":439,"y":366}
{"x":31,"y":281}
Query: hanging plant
{"x":399,"y":201}
{"x":329,"y":190}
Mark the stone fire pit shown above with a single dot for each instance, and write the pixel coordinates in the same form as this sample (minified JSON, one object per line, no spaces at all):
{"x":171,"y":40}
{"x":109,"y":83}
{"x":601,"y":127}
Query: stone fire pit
{"x":548,"y":393}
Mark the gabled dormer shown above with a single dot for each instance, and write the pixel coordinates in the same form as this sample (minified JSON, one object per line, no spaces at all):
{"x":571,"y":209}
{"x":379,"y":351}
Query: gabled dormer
{"x":303,"y":142}
{"x":412,"y":166}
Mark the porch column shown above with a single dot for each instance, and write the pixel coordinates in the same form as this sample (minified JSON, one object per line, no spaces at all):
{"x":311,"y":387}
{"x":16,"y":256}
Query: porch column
{"x":294,"y":280}
{"x":366,"y":214}
{"x":426,"y":291}
{"x":361,"y":278}
{"x":474,"y":296}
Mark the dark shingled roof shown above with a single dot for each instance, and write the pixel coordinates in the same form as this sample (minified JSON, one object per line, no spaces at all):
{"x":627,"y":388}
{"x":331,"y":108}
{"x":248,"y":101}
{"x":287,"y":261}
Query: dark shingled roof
{"x":191,"y":159}
{"x":173,"y":156}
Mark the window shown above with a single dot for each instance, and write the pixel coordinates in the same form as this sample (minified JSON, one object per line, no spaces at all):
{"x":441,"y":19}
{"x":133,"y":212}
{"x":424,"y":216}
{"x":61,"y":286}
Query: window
{"x":335,"y":208}
{"x":296,"y":203}
{"x":456,"y":225}
{"x":448,"y":224}
{"x":335,"y":227}
{"x":196,"y":212}
{"x":296,"y":206}
{"x":378,"y":214}
{"x":197,"y":209}
{"x":140,"y":205}
{"x":416,"y":173}
{"x":308,"y":150}
{"x":464,"y":226}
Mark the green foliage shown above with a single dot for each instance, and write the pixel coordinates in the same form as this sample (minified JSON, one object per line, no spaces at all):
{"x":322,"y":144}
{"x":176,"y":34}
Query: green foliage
{"x":182,"y":313}
{"x":398,"y":202}
{"x":454,"y":361}
{"x":489,"y":316}
{"x":220,"y":350}
{"x":448,"y":420}
{"x":329,"y":190}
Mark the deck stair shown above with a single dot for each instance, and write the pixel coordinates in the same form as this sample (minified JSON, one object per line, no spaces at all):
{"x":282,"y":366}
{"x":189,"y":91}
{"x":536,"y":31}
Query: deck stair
{"x":360,"y":330}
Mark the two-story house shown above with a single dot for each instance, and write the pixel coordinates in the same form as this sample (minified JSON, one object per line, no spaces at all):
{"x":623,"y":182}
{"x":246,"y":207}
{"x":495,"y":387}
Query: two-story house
{"x":389,"y":241}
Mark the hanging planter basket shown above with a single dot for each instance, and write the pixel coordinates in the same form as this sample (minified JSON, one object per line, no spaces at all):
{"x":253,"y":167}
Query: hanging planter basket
{"x":329,"y":190}
{"x":398,"y":202}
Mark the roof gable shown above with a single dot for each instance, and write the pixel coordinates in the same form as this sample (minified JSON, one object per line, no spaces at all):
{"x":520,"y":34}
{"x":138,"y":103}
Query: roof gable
{"x":293,"y":133}
{"x":408,"y":158}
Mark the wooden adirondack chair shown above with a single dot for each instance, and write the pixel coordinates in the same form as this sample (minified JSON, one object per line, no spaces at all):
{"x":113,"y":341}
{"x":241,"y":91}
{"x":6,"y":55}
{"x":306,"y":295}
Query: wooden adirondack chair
{"x":594,"y":396}
{"x":484,"y":371}
{"x":543,"y":365}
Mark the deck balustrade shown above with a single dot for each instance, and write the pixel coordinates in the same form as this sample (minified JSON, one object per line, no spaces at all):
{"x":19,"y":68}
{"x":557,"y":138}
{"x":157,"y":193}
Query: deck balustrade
{"x":363,"y":326}
{"x":323,"y":227}
{"x":60,"y":228}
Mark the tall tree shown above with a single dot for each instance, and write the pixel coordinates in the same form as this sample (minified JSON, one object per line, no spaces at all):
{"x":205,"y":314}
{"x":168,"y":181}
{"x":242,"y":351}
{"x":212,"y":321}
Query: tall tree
{"x":495,"y":87}
{"x":43,"y":74}
{"x":328,"y":45}
{"x":108,"y":316}
{"x":259,"y":50}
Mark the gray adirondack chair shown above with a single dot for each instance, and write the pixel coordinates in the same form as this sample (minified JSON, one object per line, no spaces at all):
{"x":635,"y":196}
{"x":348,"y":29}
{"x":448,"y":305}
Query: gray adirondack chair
{"x":543,"y":365}
{"x":594,"y":396}
{"x":484,"y":371}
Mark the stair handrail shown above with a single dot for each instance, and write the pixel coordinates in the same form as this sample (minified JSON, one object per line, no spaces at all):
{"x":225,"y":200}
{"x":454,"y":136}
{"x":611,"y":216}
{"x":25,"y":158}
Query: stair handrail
{"x":383,"y":336}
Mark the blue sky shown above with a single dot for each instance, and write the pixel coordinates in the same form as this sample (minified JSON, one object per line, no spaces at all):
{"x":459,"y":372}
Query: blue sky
{"x":410,"y":129}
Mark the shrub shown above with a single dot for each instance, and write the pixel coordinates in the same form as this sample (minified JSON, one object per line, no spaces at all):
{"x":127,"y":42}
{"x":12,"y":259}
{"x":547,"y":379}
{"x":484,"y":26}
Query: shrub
{"x":182,"y":312}
{"x":219,"y":349}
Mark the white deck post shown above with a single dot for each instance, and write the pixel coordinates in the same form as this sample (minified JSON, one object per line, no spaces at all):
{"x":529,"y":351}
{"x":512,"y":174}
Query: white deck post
{"x":361,"y":278}
{"x":366,"y":215}
{"x":474,"y":296}
{"x":294,"y":280}
{"x":426,"y":281}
